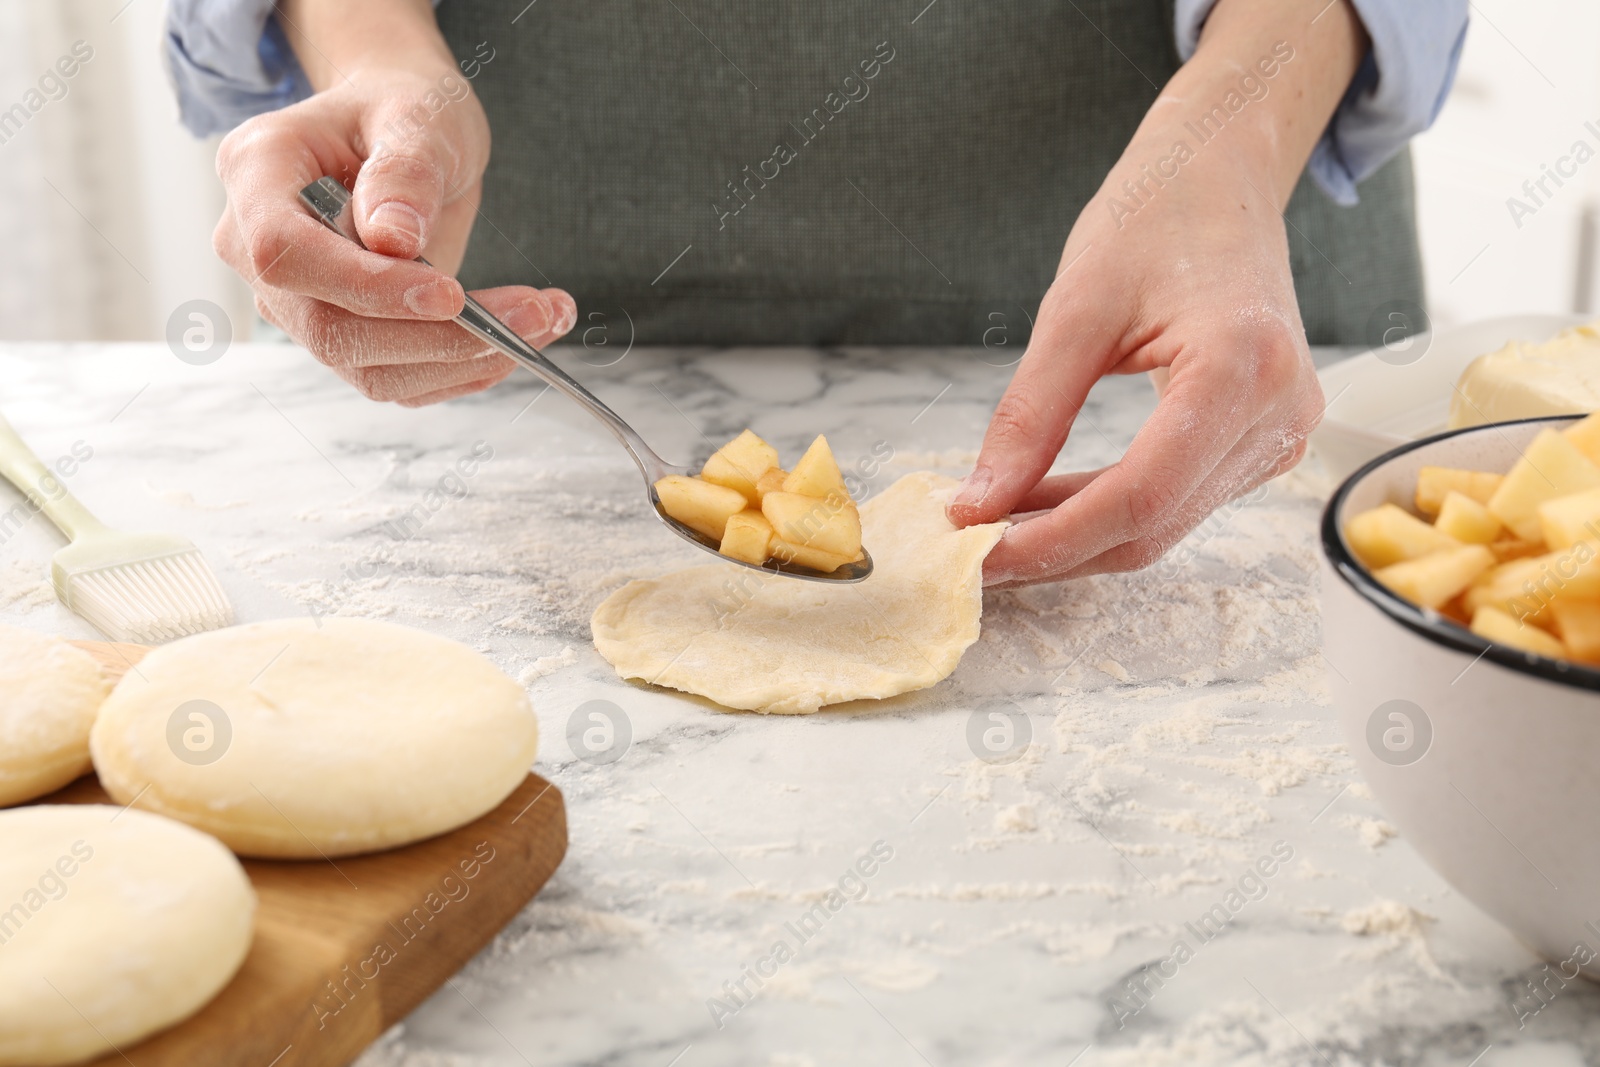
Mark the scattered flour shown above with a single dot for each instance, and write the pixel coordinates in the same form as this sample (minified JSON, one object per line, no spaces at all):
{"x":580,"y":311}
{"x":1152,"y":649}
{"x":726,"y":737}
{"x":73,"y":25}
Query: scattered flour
{"x":1374,"y":832}
{"x":1395,"y":925}
{"x":1385,"y":917}
{"x":180,"y":498}
{"x":1114,"y":669}
{"x":1016,"y":819}
{"x":1274,"y":769}
{"x":26,"y":585}
{"x":547,"y":665}
{"x":970,"y":893}
{"x":900,"y":975}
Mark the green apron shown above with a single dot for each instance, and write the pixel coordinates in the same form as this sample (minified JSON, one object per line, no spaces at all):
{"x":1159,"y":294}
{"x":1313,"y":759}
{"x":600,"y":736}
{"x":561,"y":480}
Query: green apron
{"x":844,"y":172}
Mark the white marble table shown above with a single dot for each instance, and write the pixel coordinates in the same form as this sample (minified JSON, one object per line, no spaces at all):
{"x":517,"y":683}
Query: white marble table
{"x":1179,"y":726}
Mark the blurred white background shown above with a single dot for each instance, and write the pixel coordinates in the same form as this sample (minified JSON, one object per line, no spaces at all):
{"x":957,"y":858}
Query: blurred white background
{"x":110,"y":203}
{"x":1528,"y":82}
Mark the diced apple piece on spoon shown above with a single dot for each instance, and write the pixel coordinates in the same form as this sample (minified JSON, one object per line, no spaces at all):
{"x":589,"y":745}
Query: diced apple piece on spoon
{"x":770,"y":482}
{"x":740,"y":463}
{"x":814,"y":558}
{"x":833,"y":527}
{"x":817,"y":474}
{"x":700,"y":505}
{"x":748,"y":537}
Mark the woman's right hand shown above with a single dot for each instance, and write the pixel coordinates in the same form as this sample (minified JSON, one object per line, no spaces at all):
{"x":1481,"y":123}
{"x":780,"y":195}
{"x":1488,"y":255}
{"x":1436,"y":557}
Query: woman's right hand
{"x":379,"y":320}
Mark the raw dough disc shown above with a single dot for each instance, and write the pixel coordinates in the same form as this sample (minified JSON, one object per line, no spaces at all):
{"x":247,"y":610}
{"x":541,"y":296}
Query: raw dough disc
{"x":770,"y":644}
{"x":49,"y":694}
{"x":299,"y":739}
{"x":130,"y":919}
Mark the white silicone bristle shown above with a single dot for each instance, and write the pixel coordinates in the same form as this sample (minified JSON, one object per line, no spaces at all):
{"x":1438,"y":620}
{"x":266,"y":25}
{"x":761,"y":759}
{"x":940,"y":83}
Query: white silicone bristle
{"x":152,"y":600}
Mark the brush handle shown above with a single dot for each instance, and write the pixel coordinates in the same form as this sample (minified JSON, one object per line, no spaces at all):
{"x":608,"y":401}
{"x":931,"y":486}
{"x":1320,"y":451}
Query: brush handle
{"x":41,"y":485}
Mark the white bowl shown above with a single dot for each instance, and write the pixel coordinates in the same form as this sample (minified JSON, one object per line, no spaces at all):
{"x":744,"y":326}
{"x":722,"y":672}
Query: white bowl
{"x":1482,"y":754}
{"x":1391,"y":395}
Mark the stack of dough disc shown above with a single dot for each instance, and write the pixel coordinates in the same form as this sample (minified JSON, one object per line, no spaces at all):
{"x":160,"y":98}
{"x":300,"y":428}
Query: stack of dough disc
{"x":49,"y":694}
{"x":113,"y":924}
{"x":303,"y":739}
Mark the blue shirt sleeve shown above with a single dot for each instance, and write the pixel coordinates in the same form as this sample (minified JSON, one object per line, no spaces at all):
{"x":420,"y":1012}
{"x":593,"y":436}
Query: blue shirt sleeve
{"x":229,"y":61}
{"x":1397,"y":91}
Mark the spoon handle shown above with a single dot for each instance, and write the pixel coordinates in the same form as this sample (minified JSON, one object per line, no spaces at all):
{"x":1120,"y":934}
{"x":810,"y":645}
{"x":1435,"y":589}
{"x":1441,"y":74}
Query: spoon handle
{"x":330,"y":203}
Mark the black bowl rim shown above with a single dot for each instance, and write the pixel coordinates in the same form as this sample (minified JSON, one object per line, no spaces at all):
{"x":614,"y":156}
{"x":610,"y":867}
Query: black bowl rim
{"x":1430,"y":624}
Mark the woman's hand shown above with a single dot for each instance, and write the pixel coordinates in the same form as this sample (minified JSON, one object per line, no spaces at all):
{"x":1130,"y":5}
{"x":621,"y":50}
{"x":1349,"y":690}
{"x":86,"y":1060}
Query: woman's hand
{"x":413,"y":137}
{"x":1187,"y":275}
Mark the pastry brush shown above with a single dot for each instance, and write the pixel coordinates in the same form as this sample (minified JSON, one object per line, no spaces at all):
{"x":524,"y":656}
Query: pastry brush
{"x":141,"y":587}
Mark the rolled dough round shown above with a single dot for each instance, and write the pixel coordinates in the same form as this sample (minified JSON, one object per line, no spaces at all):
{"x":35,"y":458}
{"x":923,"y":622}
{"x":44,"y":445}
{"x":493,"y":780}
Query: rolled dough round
{"x":764,"y":643}
{"x":49,"y":695}
{"x":113,"y":925}
{"x":300,"y":739}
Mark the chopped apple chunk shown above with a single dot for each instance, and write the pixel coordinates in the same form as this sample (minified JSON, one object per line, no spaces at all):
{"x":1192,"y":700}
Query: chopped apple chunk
{"x":1566,"y":520}
{"x":821,"y":524}
{"x":747,"y":537}
{"x":770,"y":482}
{"x":1551,"y":466}
{"x":758,"y":511}
{"x":1509,"y":547}
{"x":1390,"y":534}
{"x":1513,"y":588}
{"x":814,"y":558}
{"x":1578,"y":623}
{"x":1433,"y":483}
{"x":700,"y":505}
{"x":1497,"y":626}
{"x":817,"y":474}
{"x":1432,"y":580}
{"x":1466,"y":520}
{"x":740,"y":463}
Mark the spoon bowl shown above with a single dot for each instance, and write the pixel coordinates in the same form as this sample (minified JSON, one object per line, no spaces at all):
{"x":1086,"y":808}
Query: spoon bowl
{"x":850,"y":572}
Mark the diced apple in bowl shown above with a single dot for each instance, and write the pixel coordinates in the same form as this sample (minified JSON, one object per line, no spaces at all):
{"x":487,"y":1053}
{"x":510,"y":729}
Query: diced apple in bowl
{"x":1514,"y":557}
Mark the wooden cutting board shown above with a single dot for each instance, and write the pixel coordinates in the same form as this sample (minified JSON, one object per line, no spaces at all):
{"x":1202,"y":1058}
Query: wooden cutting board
{"x":345,"y":948}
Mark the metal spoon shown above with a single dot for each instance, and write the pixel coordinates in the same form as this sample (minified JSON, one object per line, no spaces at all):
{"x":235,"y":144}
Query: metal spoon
{"x":330,"y":202}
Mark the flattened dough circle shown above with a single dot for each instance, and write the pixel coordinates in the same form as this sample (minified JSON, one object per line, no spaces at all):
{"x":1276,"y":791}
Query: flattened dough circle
{"x":49,"y":694}
{"x":769,"y":644}
{"x":346,"y":736}
{"x":113,"y":925}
